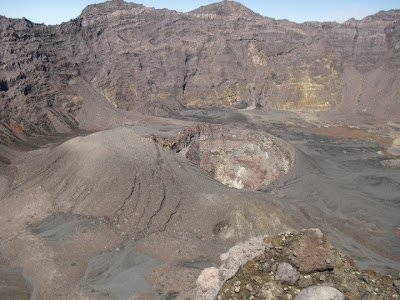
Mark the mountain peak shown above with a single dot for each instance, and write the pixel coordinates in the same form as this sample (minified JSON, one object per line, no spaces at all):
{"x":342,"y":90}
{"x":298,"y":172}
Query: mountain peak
{"x":108,"y":7}
{"x":225,"y":8}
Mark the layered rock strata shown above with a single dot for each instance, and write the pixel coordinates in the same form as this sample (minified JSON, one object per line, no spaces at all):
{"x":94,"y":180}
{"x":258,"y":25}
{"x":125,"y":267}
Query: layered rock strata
{"x":222,"y":55}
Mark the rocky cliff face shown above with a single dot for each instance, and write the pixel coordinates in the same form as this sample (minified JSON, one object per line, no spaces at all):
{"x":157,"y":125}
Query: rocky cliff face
{"x":221,"y":55}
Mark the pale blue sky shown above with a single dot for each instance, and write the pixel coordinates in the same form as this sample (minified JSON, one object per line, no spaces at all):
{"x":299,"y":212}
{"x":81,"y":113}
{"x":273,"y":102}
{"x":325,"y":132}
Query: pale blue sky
{"x":58,"y":11}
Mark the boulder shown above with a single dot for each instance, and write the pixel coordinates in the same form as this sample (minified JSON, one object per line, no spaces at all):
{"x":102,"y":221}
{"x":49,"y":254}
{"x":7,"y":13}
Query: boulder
{"x":320,"y":293}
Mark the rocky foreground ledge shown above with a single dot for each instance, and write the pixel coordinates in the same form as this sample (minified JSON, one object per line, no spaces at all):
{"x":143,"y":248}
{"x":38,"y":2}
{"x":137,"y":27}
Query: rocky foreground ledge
{"x":295,"y":266}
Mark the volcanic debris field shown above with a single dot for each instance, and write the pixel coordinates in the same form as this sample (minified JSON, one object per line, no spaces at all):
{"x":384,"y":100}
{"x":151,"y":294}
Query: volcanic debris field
{"x":153,"y":154}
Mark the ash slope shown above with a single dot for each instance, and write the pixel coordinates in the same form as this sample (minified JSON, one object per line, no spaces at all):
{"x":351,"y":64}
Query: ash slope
{"x":97,"y":193}
{"x":161,"y":61}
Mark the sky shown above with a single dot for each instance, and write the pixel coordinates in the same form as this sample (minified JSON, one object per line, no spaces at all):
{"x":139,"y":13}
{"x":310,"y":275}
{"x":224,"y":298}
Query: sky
{"x":58,"y":11}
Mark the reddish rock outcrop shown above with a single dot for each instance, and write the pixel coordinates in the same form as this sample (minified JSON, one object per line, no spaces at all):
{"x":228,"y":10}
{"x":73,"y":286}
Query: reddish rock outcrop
{"x":264,"y":268}
{"x":310,"y":252}
{"x":235,"y":157}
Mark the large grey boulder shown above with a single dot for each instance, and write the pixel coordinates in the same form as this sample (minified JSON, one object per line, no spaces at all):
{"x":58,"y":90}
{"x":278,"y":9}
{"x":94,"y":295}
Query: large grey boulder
{"x":320,"y":293}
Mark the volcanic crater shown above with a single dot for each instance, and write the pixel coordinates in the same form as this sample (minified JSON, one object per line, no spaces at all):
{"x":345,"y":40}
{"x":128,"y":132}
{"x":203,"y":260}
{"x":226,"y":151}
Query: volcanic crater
{"x":236,"y":157}
{"x":138,"y":145}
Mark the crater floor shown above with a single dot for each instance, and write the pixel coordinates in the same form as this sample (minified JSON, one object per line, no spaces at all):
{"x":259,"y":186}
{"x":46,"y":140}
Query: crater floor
{"x":89,"y":213}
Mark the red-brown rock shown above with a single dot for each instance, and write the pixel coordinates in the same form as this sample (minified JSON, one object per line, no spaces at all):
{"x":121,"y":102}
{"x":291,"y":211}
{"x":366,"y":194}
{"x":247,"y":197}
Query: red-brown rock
{"x":310,"y":251}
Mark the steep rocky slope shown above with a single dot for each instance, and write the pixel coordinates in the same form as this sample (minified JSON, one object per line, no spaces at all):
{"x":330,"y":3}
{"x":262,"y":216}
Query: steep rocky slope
{"x":221,"y":55}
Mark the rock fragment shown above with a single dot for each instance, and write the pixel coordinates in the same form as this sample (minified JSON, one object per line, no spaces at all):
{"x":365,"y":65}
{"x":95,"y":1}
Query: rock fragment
{"x":208,"y":283}
{"x":305,"y":282}
{"x":320,"y":293}
{"x":312,"y":251}
{"x":285,"y":272}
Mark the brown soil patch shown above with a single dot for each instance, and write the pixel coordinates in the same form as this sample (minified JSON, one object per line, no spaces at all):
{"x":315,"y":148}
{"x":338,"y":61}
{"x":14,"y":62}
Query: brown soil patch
{"x":16,"y":128}
{"x":352,"y":133}
{"x":4,"y":160}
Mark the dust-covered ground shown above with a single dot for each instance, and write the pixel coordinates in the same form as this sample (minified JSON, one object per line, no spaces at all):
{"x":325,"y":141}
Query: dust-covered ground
{"x":86,"y":216}
{"x":346,"y":179}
